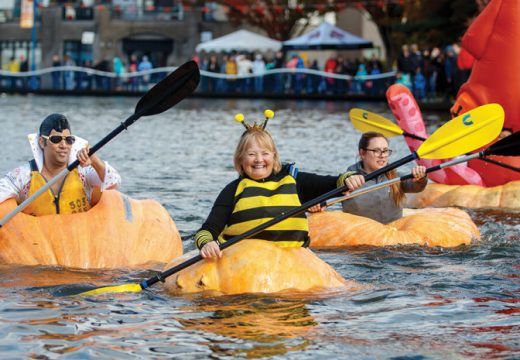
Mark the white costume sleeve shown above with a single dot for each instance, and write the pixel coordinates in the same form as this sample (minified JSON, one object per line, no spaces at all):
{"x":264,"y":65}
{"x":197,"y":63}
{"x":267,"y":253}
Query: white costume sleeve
{"x":16,"y":184}
{"x":91,"y":179}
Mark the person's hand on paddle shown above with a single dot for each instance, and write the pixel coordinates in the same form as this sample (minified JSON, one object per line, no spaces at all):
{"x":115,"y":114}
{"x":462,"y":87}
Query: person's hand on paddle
{"x":354,"y":182}
{"x":316,"y":208}
{"x":211,"y":251}
{"x":84,"y":159}
{"x":418,"y":172}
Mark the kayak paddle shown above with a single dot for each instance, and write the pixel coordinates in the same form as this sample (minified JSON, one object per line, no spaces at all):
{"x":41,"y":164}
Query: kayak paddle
{"x":454,"y":138}
{"x":165,"y":94}
{"x":508,"y":146}
{"x":366,"y":121}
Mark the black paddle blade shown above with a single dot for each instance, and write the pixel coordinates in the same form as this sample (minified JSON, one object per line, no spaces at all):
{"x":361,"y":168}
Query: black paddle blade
{"x":170,"y":90}
{"x":508,"y":146}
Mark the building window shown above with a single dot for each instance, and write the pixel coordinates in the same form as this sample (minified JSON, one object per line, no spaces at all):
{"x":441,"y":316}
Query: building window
{"x":20,"y":50}
{"x":78,"y":52}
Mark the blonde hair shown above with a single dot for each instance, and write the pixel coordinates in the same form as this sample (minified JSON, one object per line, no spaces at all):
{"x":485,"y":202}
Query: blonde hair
{"x":397,"y":194}
{"x":262,"y":138}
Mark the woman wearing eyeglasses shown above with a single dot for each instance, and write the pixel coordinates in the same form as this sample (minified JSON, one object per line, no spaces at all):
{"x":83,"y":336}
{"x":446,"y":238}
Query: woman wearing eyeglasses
{"x":383,"y":205}
{"x":54,"y":147}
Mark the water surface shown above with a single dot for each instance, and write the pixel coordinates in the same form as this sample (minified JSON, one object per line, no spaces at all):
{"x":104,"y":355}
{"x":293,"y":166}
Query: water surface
{"x":421,"y":304}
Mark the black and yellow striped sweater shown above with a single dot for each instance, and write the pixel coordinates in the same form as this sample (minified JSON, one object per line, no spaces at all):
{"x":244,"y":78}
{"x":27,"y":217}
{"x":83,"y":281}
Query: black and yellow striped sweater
{"x":245,"y":203}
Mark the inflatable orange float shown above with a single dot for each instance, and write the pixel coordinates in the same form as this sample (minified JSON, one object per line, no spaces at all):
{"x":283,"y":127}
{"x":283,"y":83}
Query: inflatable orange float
{"x":257,"y":266}
{"x":469,"y":196}
{"x":117,"y":232}
{"x":447,"y":227}
{"x":493,"y":40}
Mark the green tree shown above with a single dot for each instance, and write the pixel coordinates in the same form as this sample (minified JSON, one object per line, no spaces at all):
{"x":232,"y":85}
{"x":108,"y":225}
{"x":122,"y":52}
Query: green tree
{"x":277,"y":18}
{"x":428,"y":23}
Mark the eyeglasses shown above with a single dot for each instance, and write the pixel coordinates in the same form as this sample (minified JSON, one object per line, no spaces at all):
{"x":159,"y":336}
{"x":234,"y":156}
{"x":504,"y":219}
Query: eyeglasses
{"x":379,"y":152}
{"x":56,"y":139}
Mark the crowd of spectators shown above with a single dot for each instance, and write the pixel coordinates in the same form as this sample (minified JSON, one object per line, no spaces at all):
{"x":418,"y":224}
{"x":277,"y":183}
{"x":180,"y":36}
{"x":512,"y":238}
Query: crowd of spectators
{"x":123,"y":75}
{"x":433,"y":73}
{"x":108,"y":75}
{"x":252,"y":73}
{"x":430,"y":73}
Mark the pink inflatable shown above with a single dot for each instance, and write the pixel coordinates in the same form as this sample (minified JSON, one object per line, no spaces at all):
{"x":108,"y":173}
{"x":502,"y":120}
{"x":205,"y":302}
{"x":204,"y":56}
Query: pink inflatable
{"x":409,"y":117}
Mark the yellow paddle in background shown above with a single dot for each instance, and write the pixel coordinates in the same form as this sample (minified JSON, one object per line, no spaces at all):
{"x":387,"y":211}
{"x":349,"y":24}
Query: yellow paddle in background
{"x":366,"y":121}
{"x":454,"y":138}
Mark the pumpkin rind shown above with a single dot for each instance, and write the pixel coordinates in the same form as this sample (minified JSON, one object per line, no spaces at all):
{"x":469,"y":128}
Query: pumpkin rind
{"x":117,"y":232}
{"x":505,"y":196}
{"x":257,"y":266}
{"x":447,"y":227}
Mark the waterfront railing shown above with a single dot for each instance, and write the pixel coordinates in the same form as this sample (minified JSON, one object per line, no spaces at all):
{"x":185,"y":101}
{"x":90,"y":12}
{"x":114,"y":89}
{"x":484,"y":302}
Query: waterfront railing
{"x":275,"y":81}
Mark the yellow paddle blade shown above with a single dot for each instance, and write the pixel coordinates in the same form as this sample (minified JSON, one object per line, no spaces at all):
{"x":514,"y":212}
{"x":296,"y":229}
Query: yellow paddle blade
{"x":366,"y":121}
{"x":113,"y":289}
{"x":464,"y":133}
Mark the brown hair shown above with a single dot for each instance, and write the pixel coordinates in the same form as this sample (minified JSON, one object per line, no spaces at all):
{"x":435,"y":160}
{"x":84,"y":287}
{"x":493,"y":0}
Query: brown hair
{"x":397,"y":193}
{"x":264,"y":139}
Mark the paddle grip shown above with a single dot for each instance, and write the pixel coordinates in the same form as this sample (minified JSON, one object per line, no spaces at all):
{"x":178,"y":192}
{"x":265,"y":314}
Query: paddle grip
{"x":395,"y":164}
{"x":428,"y":170}
{"x":507,"y":166}
{"x":413,"y":136}
{"x":163,"y":275}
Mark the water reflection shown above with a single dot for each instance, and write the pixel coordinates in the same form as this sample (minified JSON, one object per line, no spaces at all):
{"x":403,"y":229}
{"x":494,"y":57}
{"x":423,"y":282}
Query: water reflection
{"x":44,"y":276}
{"x":265,"y":322}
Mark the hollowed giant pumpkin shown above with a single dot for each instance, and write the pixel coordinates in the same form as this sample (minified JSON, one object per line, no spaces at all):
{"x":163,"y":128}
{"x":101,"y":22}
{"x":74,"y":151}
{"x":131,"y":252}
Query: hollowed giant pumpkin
{"x":257,"y":266}
{"x":447,"y":227}
{"x":505,"y":196}
{"x":117,"y":232}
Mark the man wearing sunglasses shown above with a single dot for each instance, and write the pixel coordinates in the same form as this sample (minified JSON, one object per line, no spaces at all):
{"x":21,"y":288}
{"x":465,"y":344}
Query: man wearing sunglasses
{"x":54,"y":148}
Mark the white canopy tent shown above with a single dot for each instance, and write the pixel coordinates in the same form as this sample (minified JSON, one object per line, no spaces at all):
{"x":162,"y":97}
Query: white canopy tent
{"x":327,"y":37}
{"x":241,"y":40}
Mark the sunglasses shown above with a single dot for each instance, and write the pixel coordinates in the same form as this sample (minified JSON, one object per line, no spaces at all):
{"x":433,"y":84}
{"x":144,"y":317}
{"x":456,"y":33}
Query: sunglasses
{"x":56,"y":139}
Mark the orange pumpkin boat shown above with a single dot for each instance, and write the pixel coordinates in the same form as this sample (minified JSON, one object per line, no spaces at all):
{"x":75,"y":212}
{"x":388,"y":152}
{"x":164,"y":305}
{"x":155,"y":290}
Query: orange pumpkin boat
{"x":448,"y":227}
{"x":117,"y":232}
{"x":257,"y":266}
{"x":505,"y":196}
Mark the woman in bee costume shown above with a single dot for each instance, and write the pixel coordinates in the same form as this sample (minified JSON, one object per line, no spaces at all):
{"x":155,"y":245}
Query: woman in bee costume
{"x":264,"y":189}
